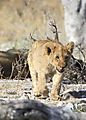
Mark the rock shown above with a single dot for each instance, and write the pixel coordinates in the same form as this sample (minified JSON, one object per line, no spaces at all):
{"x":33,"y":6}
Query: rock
{"x":28,"y":16}
{"x":75,"y":24}
{"x":30,"y":110}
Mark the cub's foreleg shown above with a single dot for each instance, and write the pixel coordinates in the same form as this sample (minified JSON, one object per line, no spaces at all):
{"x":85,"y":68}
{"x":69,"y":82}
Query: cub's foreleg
{"x":56,"y":86}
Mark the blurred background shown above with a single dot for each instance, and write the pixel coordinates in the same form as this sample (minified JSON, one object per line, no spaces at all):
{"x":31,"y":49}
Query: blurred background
{"x":20,"y":18}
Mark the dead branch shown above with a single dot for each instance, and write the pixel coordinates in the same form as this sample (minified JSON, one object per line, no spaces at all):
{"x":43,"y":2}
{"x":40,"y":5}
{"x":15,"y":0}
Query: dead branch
{"x":31,"y":36}
{"x":48,"y":38}
{"x":54,"y":29}
{"x":1,"y":72}
{"x":11,"y":75}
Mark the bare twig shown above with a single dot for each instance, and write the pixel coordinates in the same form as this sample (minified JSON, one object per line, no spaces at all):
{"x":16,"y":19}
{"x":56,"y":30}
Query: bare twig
{"x":54,"y":30}
{"x":21,"y":67}
{"x":11,"y":75}
{"x":48,"y":38}
{"x":81,"y":50}
{"x":1,"y":72}
{"x":32,"y":37}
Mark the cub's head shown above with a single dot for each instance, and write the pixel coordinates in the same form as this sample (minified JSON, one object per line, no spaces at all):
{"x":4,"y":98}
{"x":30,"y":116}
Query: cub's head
{"x":59,"y":54}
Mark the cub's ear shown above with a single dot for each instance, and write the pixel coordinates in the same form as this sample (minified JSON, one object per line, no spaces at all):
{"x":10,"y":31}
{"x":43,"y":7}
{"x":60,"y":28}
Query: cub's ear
{"x":70,"y":47}
{"x":48,"y":50}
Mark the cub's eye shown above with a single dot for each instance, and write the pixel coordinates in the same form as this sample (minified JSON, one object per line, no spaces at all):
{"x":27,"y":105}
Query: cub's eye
{"x":57,"y":57}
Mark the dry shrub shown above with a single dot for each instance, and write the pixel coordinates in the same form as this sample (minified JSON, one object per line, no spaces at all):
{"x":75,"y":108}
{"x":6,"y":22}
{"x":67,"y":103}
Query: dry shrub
{"x":16,"y":66}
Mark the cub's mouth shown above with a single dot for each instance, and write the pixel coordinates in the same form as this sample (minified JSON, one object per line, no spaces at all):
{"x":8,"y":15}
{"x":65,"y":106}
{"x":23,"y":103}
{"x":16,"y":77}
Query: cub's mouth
{"x":61,"y":70}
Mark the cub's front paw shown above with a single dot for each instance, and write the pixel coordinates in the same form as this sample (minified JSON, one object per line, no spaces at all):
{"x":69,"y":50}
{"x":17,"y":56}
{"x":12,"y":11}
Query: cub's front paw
{"x":37,"y":93}
{"x":41,"y":93}
{"x":54,"y":97}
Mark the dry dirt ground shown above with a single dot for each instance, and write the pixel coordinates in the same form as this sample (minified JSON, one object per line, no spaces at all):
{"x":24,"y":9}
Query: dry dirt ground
{"x":73,"y":95}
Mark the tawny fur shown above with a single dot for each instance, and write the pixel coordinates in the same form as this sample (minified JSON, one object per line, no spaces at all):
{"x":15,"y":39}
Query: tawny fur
{"x":48,"y":57}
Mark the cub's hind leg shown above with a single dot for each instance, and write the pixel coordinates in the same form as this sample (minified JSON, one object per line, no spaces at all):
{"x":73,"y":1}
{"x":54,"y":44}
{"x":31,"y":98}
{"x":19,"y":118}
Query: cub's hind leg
{"x":32,"y":73}
{"x":34,"y":79}
{"x":41,"y":85}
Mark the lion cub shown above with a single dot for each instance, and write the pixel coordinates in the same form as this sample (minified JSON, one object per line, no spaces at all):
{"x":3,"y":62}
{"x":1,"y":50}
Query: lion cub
{"x":48,"y":57}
